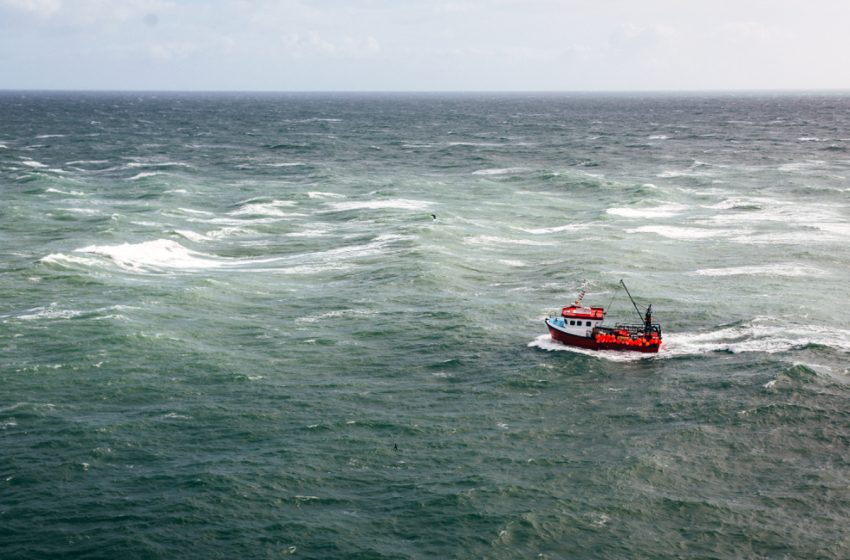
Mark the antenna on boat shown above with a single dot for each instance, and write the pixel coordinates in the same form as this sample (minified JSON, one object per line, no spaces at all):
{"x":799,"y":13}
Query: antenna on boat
{"x":581,"y":294}
{"x":633,"y":299}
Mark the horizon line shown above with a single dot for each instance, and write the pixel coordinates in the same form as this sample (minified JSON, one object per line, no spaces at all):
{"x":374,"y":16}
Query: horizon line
{"x":730,"y":91}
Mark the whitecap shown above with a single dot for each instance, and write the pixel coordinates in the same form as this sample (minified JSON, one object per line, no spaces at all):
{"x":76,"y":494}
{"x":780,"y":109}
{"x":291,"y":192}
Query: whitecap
{"x":42,"y":136}
{"x":475,"y":144}
{"x":663,"y":211}
{"x":144,"y":174}
{"x":822,"y":233}
{"x":736,"y":203}
{"x":53,"y":311}
{"x":241,"y":221}
{"x":782,"y":269}
{"x":229,"y":231}
{"x":34,"y":164}
{"x":308,"y":233}
{"x":164,"y":254}
{"x":50,"y":313}
{"x":335,"y":314}
{"x":673,"y":174}
{"x":555,"y":229}
{"x":841,"y":229}
{"x":92,"y":212}
{"x":309,"y":269}
{"x":193,"y":211}
{"x":320,"y":194}
{"x":87,"y":162}
{"x":494,"y":240}
{"x":762,"y":334}
{"x":795,"y":167}
{"x":658,"y":137}
{"x":316,"y":119}
{"x":680,"y":233}
{"x":399,"y":204}
{"x":161,"y":253}
{"x":778,"y":211}
{"x":500,"y":171}
{"x":272,"y":208}
{"x":137,"y":164}
{"x":70,"y":193}
{"x":332,"y":259}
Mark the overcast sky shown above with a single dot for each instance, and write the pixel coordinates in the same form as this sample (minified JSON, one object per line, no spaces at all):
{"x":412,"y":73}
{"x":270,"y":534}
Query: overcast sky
{"x":420,"y":45}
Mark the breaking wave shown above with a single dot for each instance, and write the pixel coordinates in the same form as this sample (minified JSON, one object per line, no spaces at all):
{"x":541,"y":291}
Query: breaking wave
{"x":663,"y":211}
{"x":681,"y":232}
{"x":762,"y":334}
{"x":782,"y":269}
{"x":500,"y":171}
{"x":397,"y":204}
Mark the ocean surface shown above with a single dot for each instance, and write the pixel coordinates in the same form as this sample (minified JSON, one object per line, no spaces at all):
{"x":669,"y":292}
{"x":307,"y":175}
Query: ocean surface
{"x":311,"y":325}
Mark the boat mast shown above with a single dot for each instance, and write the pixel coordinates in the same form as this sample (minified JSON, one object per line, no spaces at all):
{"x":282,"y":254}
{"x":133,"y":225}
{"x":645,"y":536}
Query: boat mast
{"x":633,"y":299}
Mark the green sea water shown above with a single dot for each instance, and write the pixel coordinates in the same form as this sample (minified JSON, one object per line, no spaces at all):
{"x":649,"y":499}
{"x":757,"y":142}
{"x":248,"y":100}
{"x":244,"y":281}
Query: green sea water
{"x":267,"y":325}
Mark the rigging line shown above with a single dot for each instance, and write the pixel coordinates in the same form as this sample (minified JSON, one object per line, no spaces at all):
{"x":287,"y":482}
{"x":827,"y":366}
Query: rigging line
{"x":640,"y":317}
{"x":612,"y":300}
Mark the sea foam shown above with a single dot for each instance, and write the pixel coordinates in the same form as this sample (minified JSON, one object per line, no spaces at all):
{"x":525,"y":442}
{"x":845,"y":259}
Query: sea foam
{"x":681,"y":232}
{"x":555,"y":229}
{"x":272,"y":208}
{"x":398,"y":204}
{"x":138,"y":164}
{"x":663,"y":211}
{"x":145,"y":174}
{"x":763,"y":334}
{"x":53,"y":311}
{"x":157,"y":254}
{"x":781,"y":269}
{"x":70,"y":193}
{"x":320,"y":194}
{"x":495,"y":240}
{"x":500,"y":171}
{"x":545,"y":342}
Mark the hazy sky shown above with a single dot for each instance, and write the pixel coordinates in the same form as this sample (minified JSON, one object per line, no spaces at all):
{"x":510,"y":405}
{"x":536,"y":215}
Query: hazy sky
{"x":419,"y":45}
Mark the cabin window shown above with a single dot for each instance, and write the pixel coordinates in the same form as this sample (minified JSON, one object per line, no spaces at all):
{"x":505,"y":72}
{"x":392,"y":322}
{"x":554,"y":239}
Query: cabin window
{"x":587,"y":324}
{"x":572,"y":322}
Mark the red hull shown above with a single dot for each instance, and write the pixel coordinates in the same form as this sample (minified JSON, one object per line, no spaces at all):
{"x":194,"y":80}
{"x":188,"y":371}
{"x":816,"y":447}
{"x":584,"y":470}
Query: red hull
{"x":591,"y":344}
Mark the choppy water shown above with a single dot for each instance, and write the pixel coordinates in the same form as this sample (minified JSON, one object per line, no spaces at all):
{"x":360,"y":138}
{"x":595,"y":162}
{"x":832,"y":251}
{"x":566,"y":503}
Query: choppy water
{"x":231,"y":328}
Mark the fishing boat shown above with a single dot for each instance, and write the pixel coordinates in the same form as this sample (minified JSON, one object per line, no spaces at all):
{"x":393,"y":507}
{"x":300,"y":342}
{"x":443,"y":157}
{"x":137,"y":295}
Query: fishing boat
{"x":582,"y":326}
